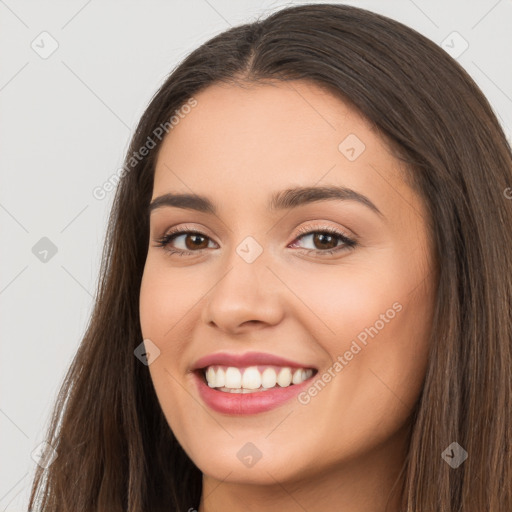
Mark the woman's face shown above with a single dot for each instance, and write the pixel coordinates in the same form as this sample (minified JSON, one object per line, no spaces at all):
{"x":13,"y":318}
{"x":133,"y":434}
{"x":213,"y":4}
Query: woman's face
{"x":269,"y":285}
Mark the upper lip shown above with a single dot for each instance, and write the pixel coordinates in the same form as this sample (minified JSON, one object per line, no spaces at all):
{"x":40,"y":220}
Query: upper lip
{"x":246,"y":359}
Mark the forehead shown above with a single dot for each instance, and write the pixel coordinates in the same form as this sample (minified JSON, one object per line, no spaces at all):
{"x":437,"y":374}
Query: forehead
{"x":245,"y":142}
{"x":264,"y":122}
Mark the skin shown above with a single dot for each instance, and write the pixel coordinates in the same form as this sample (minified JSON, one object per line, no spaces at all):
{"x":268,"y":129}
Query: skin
{"x":344,"y":449}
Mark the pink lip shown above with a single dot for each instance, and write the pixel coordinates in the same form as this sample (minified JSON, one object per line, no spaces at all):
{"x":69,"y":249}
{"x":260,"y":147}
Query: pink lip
{"x":247,"y":403}
{"x":244,"y":360}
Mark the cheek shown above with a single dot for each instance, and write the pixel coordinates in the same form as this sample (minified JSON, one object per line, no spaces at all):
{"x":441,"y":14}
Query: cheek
{"x":166,"y":296}
{"x":375,"y":322}
{"x":338,"y":303}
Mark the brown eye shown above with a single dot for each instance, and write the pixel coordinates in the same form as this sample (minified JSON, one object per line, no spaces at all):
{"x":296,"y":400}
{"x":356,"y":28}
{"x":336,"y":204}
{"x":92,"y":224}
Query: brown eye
{"x":197,"y":241}
{"x":193,"y":241}
{"x":325,"y":241}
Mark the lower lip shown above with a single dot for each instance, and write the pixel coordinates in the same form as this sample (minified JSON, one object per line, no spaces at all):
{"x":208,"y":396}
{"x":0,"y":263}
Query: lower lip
{"x":247,"y":403}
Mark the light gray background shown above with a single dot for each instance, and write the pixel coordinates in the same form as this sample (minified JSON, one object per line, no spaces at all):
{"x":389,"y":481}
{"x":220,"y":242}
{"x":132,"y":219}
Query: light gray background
{"x":65,"y":126}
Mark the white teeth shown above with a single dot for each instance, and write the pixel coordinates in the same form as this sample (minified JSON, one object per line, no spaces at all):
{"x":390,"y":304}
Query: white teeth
{"x":297,"y":377}
{"x":251,"y":379}
{"x":268,"y":378}
{"x":233,"y":378}
{"x":284,"y":378}
{"x":220,"y":378}
{"x":210,"y":377}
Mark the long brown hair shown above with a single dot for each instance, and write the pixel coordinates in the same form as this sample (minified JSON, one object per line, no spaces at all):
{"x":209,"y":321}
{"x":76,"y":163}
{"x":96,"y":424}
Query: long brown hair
{"x":115,"y":449}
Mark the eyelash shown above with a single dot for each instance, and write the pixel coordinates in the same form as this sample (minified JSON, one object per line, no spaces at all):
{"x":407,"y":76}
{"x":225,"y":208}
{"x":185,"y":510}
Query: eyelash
{"x":349,"y":243}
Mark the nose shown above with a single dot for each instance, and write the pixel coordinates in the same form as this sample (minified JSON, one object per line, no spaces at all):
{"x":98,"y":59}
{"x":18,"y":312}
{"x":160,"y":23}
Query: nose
{"x":246,"y":295}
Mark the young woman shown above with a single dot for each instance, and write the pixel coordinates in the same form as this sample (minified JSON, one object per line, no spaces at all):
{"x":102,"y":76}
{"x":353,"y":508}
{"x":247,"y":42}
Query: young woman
{"x":306,"y":289}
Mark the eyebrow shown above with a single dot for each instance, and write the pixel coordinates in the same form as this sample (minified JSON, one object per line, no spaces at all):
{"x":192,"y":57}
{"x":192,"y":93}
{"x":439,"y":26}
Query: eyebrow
{"x":282,"y":200}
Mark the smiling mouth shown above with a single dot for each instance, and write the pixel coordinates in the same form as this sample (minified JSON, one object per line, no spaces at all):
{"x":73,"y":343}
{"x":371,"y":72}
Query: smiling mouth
{"x":253,"y":379}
